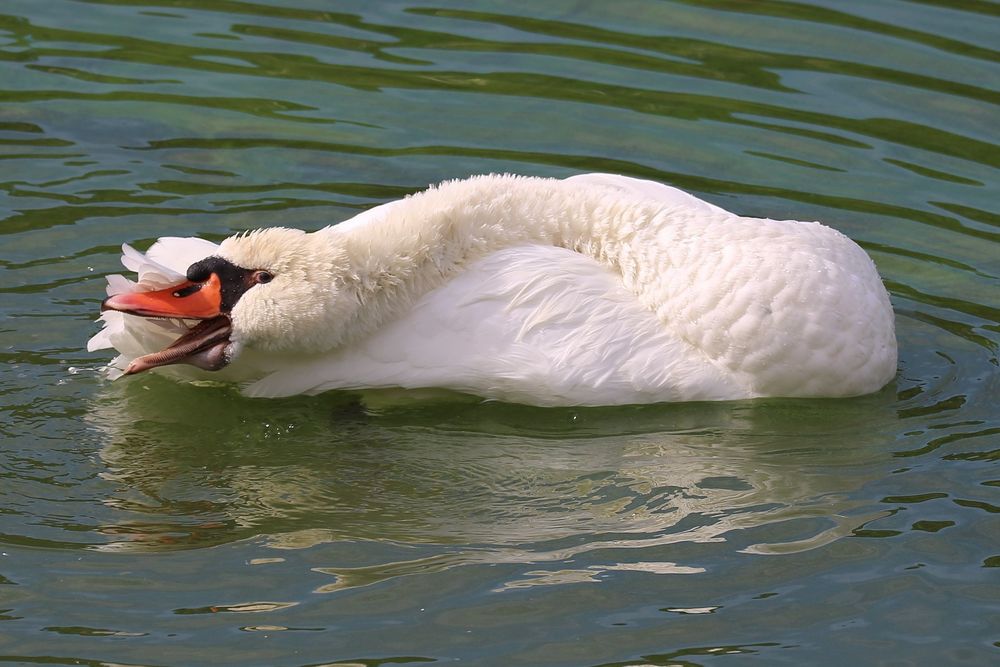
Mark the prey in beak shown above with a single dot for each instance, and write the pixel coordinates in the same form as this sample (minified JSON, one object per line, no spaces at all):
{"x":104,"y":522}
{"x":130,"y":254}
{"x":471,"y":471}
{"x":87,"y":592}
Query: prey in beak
{"x":206,"y":343}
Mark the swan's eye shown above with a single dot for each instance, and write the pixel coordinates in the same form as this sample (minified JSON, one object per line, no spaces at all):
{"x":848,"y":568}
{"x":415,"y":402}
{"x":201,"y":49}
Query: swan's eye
{"x":263,"y":276}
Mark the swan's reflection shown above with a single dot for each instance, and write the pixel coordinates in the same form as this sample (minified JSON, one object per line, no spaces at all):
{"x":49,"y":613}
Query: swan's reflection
{"x":456,"y":481}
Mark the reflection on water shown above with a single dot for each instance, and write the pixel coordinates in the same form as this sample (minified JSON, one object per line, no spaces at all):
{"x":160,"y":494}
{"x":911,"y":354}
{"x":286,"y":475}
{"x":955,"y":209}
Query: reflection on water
{"x":483,"y":482}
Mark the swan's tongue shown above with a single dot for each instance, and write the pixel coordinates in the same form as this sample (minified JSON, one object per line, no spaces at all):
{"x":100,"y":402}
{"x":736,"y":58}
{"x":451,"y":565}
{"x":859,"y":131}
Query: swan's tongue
{"x":204,"y":346}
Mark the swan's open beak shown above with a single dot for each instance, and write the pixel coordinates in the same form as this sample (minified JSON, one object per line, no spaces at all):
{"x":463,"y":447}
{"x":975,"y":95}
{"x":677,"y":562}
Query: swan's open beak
{"x":205,"y":345}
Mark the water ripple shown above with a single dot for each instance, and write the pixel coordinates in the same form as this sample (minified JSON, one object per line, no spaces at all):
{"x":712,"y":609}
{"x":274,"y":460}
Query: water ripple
{"x":640,"y":535}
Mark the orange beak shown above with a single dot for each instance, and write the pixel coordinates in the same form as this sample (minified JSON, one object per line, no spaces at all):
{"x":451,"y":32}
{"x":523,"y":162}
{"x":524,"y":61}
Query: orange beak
{"x":190,"y":301}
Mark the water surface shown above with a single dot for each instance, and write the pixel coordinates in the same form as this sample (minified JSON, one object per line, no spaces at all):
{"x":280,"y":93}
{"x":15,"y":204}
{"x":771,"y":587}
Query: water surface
{"x":149,"y":523}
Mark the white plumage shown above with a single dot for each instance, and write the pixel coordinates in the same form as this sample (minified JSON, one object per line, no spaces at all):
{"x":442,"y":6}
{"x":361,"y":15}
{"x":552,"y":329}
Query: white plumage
{"x":593,"y":290}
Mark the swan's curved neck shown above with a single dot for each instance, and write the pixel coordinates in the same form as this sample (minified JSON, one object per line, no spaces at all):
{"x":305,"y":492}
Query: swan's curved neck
{"x":382,"y":266}
{"x":428,"y":237}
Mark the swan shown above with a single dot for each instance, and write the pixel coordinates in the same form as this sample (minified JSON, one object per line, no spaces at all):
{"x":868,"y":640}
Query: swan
{"x":596,"y":289}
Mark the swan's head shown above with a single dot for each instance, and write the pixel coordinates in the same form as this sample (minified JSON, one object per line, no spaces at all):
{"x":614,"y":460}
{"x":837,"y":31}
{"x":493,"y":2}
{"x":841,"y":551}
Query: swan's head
{"x":274,"y":289}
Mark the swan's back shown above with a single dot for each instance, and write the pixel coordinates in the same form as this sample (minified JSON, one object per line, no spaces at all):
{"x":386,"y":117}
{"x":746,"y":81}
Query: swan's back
{"x":795,"y":307}
{"x":787,"y":308}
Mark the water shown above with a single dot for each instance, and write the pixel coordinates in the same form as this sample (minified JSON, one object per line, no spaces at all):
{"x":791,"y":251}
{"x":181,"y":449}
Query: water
{"x":149,"y":523}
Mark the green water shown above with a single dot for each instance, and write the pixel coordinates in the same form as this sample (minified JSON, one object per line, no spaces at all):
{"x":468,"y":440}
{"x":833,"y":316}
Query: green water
{"x":149,"y":523}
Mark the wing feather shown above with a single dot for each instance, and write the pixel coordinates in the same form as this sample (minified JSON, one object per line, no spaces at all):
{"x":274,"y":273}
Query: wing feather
{"x":532,"y":324}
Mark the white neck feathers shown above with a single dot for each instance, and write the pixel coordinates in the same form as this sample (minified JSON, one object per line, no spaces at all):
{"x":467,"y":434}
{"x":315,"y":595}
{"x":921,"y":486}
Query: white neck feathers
{"x":423,"y":240}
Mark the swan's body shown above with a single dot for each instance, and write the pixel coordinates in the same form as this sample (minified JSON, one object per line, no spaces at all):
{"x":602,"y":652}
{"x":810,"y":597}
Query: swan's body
{"x":592,"y":290}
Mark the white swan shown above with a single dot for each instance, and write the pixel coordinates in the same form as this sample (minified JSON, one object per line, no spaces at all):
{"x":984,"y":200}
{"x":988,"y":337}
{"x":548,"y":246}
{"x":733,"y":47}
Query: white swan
{"x":593,"y":290}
